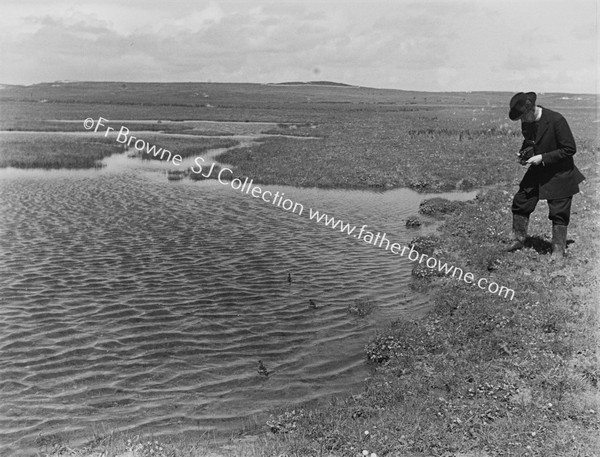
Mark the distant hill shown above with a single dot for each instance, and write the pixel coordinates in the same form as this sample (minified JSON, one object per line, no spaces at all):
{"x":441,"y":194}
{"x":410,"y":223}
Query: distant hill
{"x":311,"y":83}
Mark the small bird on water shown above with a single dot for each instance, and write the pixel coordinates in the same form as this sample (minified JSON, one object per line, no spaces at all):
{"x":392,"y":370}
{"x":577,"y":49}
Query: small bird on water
{"x":262,"y":370}
{"x":312,"y":304}
{"x":289,"y":277}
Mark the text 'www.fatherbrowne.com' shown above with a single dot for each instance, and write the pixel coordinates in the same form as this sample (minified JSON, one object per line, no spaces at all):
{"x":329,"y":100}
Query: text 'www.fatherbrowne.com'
{"x":381,"y":240}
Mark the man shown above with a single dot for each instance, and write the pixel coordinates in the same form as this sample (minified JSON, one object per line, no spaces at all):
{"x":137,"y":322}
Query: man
{"x":548,"y":150}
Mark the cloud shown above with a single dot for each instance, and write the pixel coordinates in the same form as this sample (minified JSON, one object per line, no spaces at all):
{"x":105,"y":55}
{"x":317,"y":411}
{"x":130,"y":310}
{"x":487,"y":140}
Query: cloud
{"x":424,"y":45}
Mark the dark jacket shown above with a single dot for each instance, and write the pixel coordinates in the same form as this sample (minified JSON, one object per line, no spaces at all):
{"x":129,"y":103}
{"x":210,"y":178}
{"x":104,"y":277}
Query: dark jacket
{"x":557,"y":176}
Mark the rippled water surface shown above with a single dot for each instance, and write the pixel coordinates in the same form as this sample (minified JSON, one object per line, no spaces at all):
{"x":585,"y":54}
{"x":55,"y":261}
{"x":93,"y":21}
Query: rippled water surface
{"x":136,"y":303}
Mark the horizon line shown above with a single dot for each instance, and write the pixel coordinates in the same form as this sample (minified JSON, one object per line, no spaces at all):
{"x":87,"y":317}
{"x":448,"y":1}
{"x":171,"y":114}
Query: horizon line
{"x":324,"y":83}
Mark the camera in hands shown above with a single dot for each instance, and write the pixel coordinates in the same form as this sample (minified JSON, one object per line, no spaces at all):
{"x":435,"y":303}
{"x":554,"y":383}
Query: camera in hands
{"x":527,"y":152}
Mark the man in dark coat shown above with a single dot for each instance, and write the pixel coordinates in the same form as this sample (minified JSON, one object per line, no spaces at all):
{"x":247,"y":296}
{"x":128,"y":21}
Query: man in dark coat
{"x":548,"y":149}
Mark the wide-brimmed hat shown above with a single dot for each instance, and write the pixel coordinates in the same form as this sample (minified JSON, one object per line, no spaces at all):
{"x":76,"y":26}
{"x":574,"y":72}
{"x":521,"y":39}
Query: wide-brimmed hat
{"x":520,"y":103}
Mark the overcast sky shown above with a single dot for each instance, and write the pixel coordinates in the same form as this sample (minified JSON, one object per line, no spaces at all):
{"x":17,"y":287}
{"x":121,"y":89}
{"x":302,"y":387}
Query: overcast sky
{"x":444,"y":45}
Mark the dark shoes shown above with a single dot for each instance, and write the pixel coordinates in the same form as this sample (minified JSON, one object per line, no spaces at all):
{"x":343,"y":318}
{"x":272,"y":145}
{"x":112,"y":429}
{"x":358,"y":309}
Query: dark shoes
{"x":559,"y":240}
{"x":559,"y":236}
{"x":520,"y":224}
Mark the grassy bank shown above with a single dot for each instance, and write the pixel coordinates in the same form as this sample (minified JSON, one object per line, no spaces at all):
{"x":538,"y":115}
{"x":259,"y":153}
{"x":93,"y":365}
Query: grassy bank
{"x":480,"y":375}
{"x":184,"y":147}
{"x":51,"y":152}
{"x":380,"y":151}
{"x":63,"y":151}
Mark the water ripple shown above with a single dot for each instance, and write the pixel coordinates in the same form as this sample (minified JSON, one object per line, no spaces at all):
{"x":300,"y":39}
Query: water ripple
{"x":142,"y":304}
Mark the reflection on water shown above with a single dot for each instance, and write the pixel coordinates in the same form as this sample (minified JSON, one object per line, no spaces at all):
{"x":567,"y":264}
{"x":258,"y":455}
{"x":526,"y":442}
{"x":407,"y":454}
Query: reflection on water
{"x":143,"y":304}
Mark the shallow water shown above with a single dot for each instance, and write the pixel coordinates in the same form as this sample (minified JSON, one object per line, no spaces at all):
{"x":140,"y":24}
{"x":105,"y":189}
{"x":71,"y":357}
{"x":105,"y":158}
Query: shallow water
{"x":132,"y":302}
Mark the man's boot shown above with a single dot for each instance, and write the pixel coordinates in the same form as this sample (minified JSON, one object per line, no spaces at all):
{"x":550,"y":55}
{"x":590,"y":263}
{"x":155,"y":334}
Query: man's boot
{"x":559,"y":240}
{"x":520,"y":224}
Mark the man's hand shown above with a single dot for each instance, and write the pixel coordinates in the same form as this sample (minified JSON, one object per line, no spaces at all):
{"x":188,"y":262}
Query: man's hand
{"x":535,"y":160}
{"x":525,"y":154}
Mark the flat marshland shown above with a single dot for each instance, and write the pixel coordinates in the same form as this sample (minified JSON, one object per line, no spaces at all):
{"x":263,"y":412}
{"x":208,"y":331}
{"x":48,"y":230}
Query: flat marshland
{"x":479,"y":374}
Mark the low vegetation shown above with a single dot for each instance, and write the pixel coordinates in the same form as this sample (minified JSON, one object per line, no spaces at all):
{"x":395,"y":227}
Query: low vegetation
{"x":184,"y":147}
{"x":438,"y":206}
{"x":63,"y":151}
{"x":55,"y":152}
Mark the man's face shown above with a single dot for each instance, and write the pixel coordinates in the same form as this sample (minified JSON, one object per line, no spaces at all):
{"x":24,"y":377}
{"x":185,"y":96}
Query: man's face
{"x":529,"y":115}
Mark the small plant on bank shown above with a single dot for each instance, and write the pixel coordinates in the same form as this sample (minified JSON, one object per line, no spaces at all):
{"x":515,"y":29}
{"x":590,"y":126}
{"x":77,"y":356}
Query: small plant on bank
{"x":425,"y":244}
{"x":148,"y":448}
{"x":438,"y":206}
{"x":286,"y":422}
{"x":413,"y":221}
{"x":382,"y":349}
